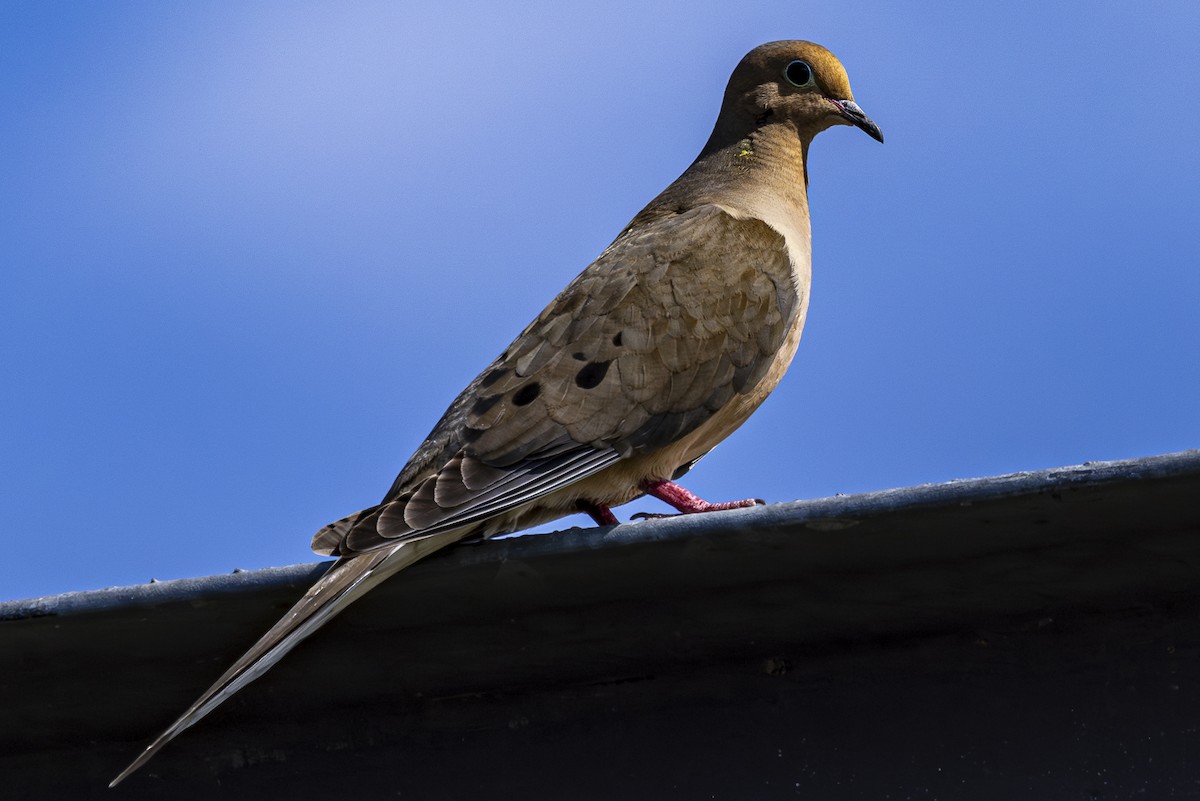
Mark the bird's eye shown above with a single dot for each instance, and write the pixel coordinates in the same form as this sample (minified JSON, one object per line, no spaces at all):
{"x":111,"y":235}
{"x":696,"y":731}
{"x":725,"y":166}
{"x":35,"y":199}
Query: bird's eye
{"x":799,"y":73}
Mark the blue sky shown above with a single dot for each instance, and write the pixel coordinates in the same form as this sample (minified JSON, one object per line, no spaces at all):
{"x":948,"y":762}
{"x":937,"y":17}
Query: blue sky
{"x":249,"y":252}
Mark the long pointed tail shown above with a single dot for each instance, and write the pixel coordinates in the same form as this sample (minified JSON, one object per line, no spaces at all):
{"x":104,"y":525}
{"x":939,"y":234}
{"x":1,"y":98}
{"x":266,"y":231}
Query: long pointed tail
{"x":343,"y":584}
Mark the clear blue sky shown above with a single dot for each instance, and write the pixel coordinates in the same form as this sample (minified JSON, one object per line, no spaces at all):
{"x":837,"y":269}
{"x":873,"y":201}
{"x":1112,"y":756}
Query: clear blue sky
{"x":249,"y":252}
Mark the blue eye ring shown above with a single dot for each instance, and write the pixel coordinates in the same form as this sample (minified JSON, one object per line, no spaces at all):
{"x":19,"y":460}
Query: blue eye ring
{"x":799,"y":73}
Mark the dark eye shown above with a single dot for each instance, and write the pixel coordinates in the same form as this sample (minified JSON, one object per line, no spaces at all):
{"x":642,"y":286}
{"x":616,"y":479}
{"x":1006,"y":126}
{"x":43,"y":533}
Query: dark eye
{"x":798,"y":73}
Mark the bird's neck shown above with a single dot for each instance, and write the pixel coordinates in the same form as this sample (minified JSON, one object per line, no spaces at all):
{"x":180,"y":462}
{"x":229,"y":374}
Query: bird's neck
{"x":760,"y":175}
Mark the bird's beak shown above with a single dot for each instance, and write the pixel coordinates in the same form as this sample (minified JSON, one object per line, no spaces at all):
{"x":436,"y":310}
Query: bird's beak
{"x":858,"y":118}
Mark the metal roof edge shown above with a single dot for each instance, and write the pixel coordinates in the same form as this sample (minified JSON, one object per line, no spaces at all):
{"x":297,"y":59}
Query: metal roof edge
{"x":524,"y":547}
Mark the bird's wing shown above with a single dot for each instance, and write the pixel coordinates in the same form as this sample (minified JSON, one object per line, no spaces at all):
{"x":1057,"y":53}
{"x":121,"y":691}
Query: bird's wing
{"x":340,"y":586}
{"x":677,"y":317}
{"x":465,"y":492}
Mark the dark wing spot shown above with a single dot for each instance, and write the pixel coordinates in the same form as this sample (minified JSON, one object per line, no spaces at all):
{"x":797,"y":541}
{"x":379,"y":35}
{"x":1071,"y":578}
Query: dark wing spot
{"x":617,"y":339}
{"x":492,"y":376}
{"x":579,"y":357}
{"x":591,"y":374}
{"x":481,"y":405}
{"x":526,"y":394}
{"x":469,"y":434}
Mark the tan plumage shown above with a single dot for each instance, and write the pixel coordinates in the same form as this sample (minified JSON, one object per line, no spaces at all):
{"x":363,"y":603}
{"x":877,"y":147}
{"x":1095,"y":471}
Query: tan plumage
{"x":650,"y":357}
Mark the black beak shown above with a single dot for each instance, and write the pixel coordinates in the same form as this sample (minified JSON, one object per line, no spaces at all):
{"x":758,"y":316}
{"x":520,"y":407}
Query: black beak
{"x":858,"y":118}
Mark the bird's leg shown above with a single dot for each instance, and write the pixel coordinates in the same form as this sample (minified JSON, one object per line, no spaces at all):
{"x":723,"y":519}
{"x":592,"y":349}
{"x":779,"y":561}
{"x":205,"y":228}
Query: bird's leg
{"x":686,"y":502}
{"x":598,"y":512}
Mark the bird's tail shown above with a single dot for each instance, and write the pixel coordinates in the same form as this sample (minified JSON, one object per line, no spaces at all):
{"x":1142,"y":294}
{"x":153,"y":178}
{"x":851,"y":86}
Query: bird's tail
{"x":341,"y":585}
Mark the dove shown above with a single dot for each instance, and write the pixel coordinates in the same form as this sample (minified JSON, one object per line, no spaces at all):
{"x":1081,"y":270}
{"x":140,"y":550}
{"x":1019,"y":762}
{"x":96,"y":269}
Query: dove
{"x":649,"y":358}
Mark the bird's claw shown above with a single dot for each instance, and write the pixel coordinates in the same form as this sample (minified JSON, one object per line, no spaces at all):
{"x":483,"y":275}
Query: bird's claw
{"x":649,"y":516}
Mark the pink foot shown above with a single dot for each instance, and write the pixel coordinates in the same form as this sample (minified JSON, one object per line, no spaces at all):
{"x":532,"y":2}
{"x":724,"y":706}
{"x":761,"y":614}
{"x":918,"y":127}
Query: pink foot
{"x":671,"y":493}
{"x":598,"y":512}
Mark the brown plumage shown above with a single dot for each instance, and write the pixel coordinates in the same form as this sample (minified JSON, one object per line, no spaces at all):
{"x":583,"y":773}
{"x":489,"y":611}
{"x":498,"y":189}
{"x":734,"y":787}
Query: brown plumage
{"x":650,"y":357}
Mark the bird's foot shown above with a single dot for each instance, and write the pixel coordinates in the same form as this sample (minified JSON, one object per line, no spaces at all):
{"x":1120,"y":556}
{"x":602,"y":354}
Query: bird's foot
{"x":598,"y":512}
{"x":686,"y":502}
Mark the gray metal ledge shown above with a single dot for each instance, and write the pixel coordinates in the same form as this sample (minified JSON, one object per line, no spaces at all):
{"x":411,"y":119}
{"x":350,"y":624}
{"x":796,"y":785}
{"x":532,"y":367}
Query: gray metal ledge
{"x":766,"y":652}
{"x":823,"y":514}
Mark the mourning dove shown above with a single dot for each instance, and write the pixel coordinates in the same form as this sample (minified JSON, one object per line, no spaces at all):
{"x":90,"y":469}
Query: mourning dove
{"x":655,"y":353}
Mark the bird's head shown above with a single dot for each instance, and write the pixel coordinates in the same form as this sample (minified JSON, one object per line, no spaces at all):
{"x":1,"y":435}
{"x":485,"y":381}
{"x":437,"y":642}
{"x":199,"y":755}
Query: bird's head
{"x":797,"y":83}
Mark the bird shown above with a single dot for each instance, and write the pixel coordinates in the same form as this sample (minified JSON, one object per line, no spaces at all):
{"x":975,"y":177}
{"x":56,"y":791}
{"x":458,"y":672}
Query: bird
{"x":655,"y":353}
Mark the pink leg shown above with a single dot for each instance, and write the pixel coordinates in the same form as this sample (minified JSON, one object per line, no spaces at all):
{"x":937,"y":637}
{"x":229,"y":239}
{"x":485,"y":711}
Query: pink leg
{"x":671,"y":493}
{"x":598,"y":512}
